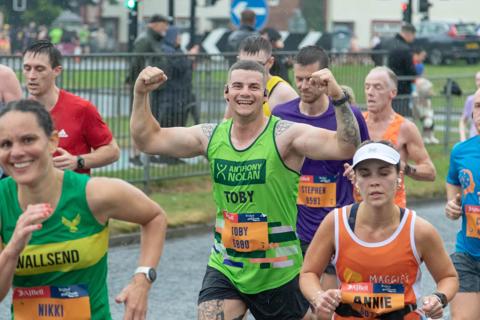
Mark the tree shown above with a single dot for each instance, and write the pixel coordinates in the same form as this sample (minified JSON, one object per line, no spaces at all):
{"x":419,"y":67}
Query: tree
{"x":314,"y":13}
{"x":39,"y":11}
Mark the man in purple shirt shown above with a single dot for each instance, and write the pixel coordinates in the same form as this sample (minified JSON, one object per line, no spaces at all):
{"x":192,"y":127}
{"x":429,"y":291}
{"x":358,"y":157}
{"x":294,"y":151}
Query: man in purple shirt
{"x":322,"y":185}
{"x":467,"y":114}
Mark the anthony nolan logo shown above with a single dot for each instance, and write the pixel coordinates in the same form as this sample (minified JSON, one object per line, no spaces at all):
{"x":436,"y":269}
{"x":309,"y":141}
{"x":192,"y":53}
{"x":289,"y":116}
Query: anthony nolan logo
{"x":72,"y":225}
{"x":233,"y":173}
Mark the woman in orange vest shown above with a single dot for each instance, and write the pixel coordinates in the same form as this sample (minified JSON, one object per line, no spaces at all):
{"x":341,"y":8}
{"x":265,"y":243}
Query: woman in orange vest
{"x":377,"y":249}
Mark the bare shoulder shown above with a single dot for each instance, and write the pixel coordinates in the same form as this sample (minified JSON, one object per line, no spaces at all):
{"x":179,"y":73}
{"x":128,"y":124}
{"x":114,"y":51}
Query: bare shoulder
{"x":408,"y":128}
{"x":425,"y":232}
{"x":207,"y":129}
{"x":284,"y":126}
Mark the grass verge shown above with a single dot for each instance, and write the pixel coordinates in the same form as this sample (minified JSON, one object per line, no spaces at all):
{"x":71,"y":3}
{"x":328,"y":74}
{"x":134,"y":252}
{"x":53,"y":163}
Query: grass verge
{"x":190,"y":200}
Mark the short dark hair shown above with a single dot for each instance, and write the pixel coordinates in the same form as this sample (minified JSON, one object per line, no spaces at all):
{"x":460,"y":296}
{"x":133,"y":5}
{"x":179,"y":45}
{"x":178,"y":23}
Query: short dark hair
{"x":45,"y":47}
{"x":408,"y":28}
{"x":27,"y":105}
{"x":254,"y":44}
{"x":312,"y":54}
{"x":248,"y":17}
{"x":250,"y":66}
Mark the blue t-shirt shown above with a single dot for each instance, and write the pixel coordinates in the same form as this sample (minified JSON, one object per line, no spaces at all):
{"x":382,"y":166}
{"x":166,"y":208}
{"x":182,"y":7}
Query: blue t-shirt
{"x":322,"y":185}
{"x":464,"y":172}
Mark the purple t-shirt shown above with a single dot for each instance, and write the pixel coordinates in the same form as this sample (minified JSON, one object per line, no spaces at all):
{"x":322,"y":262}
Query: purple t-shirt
{"x":322,"y":185}
{"x":467,"y":114}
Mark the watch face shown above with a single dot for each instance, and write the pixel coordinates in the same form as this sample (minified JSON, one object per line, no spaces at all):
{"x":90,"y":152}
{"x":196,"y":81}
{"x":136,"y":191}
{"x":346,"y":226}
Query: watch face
{"x":152,"y":274}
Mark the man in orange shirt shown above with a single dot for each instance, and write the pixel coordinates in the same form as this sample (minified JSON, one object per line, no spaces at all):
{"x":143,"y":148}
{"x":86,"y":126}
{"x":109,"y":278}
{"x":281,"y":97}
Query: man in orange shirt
{"x":385,"y":124}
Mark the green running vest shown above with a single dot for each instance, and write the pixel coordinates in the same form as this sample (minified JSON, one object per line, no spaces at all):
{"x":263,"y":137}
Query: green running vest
{"x":70,"y":249}
{"x":255,"y":244}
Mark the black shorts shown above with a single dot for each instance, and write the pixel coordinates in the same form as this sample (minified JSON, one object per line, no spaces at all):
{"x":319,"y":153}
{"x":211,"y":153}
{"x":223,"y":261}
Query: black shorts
{"x":282,"y":303}
{"x":330,"y":269}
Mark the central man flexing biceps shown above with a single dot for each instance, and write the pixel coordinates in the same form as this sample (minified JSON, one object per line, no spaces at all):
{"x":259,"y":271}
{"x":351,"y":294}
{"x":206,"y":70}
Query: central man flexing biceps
{"x":255,"y":163}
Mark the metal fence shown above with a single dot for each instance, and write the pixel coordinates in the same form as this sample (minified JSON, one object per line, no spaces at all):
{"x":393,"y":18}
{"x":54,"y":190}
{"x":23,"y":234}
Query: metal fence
{"x":102,"y":79}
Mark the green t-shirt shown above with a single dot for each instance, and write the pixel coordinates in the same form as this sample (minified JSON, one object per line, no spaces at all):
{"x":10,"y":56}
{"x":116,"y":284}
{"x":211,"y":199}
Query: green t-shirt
{"x":256,"y":245}
{"x":66,"y":260}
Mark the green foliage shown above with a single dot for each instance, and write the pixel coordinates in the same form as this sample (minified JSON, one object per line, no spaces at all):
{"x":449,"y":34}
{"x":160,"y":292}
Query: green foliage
{"x":314,"y":13}
{"x":38,"y":11}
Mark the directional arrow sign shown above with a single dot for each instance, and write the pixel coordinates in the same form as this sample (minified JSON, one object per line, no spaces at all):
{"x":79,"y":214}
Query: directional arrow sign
{"x":210,"y":42}
{"x":260,"y":8}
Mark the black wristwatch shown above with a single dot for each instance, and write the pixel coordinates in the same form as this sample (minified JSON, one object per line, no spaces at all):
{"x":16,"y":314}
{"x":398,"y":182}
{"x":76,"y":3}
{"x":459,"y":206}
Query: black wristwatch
{"x":442,"y":297}
{"x":80,"y":162}
{"x":341,"y":101}
{"x":150,"y":273}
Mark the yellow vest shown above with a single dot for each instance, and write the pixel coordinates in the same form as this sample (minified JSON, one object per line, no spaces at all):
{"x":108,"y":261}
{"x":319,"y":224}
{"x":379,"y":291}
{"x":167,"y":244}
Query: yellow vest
{"x":271,"y":84}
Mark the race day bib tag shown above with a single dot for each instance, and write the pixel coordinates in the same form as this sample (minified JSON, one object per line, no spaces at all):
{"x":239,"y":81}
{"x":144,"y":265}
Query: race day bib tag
{"x":52,"y":302}
{"x":372,"y":299}
{"x":245,"y":232}
{"x":317,"y":191}
{"x":473,"y":221}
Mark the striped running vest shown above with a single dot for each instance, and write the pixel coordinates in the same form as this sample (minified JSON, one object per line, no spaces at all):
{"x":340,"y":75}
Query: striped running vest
{"x":377,"y":271}
{"x":255,"y":244}
{"x":64,"y":266}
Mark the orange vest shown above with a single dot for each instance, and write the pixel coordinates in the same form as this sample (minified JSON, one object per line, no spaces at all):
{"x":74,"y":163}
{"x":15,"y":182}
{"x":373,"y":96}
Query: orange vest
{"x":392,"y":262}
{"x":391,"y":134}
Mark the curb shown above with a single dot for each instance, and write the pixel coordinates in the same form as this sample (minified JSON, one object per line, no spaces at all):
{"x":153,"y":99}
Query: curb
{"x":172,"y":233}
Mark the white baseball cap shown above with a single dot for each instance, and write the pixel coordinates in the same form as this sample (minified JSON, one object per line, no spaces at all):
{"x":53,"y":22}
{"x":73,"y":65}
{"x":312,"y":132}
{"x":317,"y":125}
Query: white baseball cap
{"x":376,"y":150}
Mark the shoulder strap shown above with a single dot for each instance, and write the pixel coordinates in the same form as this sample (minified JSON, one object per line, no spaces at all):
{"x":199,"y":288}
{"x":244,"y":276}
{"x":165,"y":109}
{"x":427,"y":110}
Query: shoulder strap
{"x":352,"y":218}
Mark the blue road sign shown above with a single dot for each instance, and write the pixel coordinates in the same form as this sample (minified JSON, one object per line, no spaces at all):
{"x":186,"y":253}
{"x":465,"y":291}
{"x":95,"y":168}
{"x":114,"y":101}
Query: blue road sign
{"x":260,"y":8}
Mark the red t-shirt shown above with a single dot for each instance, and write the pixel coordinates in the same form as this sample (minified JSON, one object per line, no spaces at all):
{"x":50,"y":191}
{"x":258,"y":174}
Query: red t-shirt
{"x":80,"y":126}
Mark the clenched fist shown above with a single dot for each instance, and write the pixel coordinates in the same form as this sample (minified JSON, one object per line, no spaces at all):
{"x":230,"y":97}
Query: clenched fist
{"x":149,"y":79}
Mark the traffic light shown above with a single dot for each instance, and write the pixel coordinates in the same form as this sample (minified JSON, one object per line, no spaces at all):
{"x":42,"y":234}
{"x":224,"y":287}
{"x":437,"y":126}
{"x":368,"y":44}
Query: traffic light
{"x":407,"y":12}
{"x":423,"y":5}
{"x":131,"y":4}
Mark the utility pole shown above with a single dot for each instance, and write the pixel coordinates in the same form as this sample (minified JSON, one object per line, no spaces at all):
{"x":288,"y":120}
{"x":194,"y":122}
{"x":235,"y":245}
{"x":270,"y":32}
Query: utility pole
{"x":193,"y":7}
{"x":171,"y":8}
{"x":132,"y":6}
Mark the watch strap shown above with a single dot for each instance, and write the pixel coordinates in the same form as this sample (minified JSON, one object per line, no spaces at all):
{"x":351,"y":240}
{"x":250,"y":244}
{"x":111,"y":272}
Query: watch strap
{"x":145,"y":271}
{"x":442,"y":297}
{"x":341,"y":101}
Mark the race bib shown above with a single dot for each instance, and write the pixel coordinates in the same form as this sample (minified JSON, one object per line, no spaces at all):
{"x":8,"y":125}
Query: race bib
{"x":51,"y":302}
{"x":373,"y":299}
{"x":245,"y":232}
{"x":316,"y":191}
{"x":473,"y":221}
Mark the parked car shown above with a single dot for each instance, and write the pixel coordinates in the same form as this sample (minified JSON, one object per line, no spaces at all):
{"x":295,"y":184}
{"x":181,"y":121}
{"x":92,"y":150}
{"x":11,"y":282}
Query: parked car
{"x":447,"y":41}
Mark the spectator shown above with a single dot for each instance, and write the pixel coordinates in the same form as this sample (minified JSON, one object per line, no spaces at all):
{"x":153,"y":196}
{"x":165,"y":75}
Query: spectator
{"x":5,"y":47}
{"x":176,"y":95}
{"x":419,"y":56}
{"x":423,"y":110}
{"x":400,"y":61}
{"x":247,"y":28}
{"x":149,"y":41}
{"x":281,"y":64}
{"x":467,"y":114}
{"x":56,"y":34}
{"x":85,"y":142}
